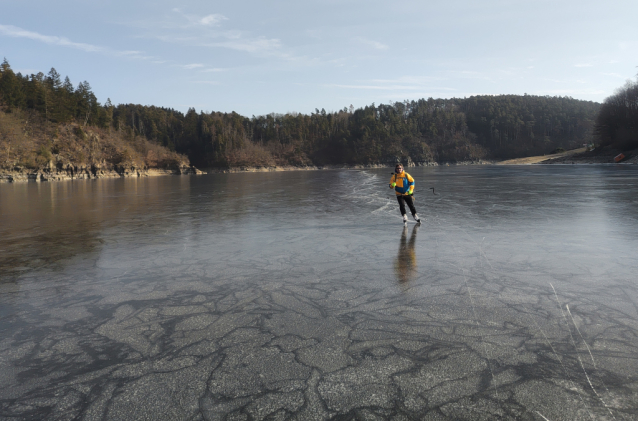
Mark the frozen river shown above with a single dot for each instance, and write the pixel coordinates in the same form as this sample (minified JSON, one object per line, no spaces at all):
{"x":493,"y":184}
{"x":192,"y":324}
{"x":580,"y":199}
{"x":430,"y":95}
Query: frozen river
{"x":301,"y":295}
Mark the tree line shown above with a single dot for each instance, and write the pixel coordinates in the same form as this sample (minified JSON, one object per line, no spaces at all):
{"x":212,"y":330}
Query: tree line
{"x":617,"y":122}
{"x":425,"y":130}
{"x":58,"y":101}
{"x":49,"y":124}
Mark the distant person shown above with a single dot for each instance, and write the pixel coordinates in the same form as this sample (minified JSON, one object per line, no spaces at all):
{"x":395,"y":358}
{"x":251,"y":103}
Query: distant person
{"x":403,"y":185}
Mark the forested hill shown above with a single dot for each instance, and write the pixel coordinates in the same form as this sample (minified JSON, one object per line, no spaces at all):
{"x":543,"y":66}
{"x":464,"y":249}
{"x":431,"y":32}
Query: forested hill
{"x":443,"y":130}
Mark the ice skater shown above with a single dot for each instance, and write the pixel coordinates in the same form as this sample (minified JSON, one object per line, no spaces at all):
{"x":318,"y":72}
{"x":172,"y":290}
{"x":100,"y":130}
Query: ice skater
{"x":403,"y":185}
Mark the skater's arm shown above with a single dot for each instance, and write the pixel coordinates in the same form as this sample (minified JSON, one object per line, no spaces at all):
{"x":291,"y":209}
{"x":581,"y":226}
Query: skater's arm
{"x":393,"y":182}
{"x":411,"y":181}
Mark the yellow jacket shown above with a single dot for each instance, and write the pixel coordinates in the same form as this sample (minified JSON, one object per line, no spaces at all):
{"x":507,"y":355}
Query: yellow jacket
{"x":404,"y":183}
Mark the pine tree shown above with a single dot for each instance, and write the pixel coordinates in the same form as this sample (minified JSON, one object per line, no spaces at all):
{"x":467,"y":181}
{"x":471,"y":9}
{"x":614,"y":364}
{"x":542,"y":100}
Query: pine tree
{"x":86,"y":103}
{"x":11,"y":90}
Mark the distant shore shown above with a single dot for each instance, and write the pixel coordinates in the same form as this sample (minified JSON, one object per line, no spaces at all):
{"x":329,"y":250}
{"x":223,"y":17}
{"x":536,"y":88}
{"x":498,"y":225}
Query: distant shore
{"x":86,"y":173}
{"x":578,"y":156}
{"x":597,"y":156}
{"x":541,"y":158}
{"x":574,"y":156}
{"x":279,"y":168}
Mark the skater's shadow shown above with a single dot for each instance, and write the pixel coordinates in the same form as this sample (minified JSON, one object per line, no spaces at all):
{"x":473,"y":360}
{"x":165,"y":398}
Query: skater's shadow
{"x":405,"y":263}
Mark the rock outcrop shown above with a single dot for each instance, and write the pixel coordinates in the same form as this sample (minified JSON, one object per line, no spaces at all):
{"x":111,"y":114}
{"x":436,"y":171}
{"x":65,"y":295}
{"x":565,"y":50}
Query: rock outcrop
{"x":71,"y":172}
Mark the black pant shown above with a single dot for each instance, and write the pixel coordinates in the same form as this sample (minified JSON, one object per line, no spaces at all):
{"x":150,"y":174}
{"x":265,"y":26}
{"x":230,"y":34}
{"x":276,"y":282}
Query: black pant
{"x":403,"y":200}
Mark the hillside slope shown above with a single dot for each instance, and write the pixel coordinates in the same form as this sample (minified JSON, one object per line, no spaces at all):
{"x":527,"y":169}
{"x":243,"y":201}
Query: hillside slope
{"x":33,"y":148}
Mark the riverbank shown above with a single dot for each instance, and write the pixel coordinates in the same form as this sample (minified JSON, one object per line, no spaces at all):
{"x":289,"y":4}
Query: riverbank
{"x":539,"y":159}
{"x":87,"y":173}
{"x":339,"y":167}
{"x":574,"y":156}
{"x":80,"y":173}
{"x":604,"y":155}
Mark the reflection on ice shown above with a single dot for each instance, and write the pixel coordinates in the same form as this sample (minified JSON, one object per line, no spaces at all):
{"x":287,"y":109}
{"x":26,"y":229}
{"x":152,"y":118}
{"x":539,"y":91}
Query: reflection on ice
{"x":405,"y":265}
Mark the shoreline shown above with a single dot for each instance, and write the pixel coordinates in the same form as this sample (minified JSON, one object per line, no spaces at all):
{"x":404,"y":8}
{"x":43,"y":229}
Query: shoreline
{"x":540,"y":158}
{"x":85,"y":173}
{"x":603,"y":156}
{"x":573,"y":157}
{"x":580,"y":156}
{"x":90,"y":173}
{"x":281,"y":168}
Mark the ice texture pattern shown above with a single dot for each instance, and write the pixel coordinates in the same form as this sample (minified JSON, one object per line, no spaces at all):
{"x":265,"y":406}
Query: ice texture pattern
{"x":302,"y":296}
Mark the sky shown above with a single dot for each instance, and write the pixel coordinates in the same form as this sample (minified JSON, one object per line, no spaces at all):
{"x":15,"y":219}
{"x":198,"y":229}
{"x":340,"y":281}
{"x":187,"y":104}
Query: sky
{"x":259,"y":57}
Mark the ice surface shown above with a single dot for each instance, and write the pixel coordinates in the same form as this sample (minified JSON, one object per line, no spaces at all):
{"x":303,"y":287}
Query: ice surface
{"x":301,"y":295}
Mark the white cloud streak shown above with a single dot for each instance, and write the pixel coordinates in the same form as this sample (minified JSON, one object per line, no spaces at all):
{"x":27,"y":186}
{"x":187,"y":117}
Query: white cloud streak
{"x":213,"y":19}
{"x":260,"y":45}
{"x":15,"y":32}
{"x":205,"y":31}
{"x":371,"y":43}
{"x":402,"y":84}
{"x":375,"y":87}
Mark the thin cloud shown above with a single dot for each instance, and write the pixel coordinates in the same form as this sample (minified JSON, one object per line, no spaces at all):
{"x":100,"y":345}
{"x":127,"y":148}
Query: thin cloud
{"x":131,"y":54}
{"x":213,"y":19}
{"x":370,"y":87}
{"x":179,"y":27}
{"x":260,"y":46}
{"x":16,"y":32}
{"x":418,"y":80}
{"x":384,"y":87}
{"x":400,"y":84}
{"x":584,"y":65}
{"x":371,"y":43}
{"x":232,"y":40}
{"x":209,"y":31}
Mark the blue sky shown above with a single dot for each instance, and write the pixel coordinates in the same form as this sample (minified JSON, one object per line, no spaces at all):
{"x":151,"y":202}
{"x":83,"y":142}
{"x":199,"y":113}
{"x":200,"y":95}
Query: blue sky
{"x":258,"y":57}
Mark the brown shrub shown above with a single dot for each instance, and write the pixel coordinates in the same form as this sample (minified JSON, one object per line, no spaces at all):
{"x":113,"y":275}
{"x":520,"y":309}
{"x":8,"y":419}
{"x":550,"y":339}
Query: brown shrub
{"x":251,"y":155}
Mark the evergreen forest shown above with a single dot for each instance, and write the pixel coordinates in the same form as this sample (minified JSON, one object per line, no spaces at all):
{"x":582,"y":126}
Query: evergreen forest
{"x":54,"y":118}
{"x":617,"y":122}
